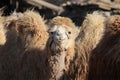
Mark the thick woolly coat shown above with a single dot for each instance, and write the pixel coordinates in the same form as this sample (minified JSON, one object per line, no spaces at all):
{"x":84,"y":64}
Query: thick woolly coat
{"x":90,"y":34}
{"x":104,"y":62}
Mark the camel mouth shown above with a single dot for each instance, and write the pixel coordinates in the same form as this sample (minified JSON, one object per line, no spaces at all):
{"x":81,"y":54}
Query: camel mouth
{"x":60,"y":40}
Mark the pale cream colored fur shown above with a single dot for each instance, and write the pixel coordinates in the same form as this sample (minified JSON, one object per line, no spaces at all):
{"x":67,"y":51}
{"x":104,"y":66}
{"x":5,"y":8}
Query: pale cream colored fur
{"x":2,"y":32}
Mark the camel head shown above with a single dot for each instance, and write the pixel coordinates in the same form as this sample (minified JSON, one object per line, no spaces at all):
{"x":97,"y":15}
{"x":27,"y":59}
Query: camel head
{"x":61,"y":33}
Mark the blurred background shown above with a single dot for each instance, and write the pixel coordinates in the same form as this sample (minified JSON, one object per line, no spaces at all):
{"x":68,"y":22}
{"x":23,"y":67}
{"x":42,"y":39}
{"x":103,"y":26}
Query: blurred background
{"x":74,"y":9}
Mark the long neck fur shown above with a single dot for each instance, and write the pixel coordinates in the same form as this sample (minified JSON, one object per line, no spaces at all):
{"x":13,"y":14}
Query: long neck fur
{"x":58,"y":61}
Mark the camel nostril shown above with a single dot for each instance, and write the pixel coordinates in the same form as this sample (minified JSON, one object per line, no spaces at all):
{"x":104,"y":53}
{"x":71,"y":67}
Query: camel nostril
{"x":60,"y":38}
{"x":58,"y":34}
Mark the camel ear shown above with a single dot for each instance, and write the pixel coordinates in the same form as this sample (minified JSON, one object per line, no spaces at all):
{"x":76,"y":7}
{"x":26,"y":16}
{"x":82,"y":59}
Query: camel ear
{"x":11,"y":25}
{"x":76,"y":32}
{"x":48,"y":26}
{"x":19,"y":28}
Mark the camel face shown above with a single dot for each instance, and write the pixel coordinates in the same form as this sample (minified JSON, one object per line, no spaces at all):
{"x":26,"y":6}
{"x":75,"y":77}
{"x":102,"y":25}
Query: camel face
{"x":60,"y":35}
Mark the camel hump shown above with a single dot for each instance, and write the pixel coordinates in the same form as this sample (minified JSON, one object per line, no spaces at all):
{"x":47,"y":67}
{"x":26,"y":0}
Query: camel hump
{"x":96,"y":18}
{"x":62,"y":21}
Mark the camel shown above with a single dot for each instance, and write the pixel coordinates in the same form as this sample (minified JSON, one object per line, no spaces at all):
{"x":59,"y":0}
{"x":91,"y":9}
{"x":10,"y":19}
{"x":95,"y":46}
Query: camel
{"x":31,"y":28}
{"x":26,"y":35}
{"x":90,"y":35}
{"x":104,"y":61}
{"x":8,"y":52}
{"x":60,"y":47}
{"x":33,"y":34}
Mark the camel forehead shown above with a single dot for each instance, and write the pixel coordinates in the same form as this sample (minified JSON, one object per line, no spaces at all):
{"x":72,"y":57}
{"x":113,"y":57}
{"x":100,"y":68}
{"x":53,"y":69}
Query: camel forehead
{"x":62,"y":21}
{"x":60,"y":28}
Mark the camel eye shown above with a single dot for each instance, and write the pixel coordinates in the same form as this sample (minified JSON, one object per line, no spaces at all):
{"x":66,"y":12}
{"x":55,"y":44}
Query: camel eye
{"x":52,"y":33}
{"x":32,"y":33}
{"x":69,"y":32}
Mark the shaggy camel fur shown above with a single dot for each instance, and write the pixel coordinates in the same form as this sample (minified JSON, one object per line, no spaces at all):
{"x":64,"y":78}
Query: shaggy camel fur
{"x":60,"y":47}
{"x":9,"y":51}
{"x":33,"y":34}
{"x":2,"y":32}
{"x":26,"y":38}
{"x":90,"y":34}
{"x":105,"y":58}
{"x":32,"y":30}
